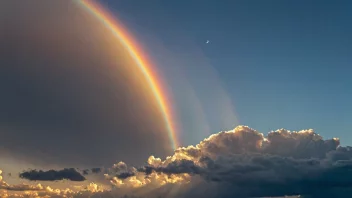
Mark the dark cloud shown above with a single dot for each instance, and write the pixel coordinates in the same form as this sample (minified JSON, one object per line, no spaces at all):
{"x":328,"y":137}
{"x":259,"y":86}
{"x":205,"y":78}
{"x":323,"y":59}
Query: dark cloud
{"x":53,"y":175}
{"x":175,"y":167}
{"x":125,"y":175}
{"x":71,"y":94}
{"x":96,"y":170}
{"x":85,"y":171}
{"x":92,"y":170}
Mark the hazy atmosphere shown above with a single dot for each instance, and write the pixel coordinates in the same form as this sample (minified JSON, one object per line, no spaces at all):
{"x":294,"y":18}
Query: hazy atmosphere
{"x":175,"y":99}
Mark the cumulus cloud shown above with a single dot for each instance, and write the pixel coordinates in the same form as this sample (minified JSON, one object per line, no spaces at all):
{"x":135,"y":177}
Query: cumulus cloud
{"x":245,"y":163}
{"x":53,"y":175}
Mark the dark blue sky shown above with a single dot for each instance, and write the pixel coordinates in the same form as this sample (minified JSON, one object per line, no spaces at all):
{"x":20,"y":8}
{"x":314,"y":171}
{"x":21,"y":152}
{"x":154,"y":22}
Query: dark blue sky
{"x":283,"y":64}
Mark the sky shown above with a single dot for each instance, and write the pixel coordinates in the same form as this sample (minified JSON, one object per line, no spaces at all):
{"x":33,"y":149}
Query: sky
{"x":76,"y":110}
{"x":61,"y":90}
{"x":281,"y":63}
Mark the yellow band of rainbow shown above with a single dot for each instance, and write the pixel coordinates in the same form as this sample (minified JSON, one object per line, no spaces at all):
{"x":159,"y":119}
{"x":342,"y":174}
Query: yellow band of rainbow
{"x":126,"y":39}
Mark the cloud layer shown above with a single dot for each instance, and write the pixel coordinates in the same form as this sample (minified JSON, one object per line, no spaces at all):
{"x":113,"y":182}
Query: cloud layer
{"x":239,"y":163}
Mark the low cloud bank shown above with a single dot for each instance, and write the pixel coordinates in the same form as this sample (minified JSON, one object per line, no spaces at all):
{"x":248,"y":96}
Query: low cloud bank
{"x":239,"y":163}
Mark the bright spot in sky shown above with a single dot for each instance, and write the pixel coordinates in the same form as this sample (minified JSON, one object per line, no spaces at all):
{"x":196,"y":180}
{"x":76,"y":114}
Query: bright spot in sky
{"x":207,"y":42}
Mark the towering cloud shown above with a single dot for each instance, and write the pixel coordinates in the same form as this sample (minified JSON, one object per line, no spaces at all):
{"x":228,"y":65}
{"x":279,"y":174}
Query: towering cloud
{"x":245,"y":163}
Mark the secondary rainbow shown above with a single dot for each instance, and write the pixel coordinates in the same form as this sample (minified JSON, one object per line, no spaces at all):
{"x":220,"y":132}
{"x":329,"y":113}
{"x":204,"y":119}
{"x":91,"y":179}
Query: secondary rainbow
{"x":126,"y":39}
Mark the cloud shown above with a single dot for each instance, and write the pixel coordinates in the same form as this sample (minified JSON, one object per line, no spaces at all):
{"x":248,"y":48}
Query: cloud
{"x":245,"y":163}
{"x":85,"y":172}
{"x":19,"y":187}
{"x":240,"y":163}
{"x":53,"y":175}
{"x":39,"y":190}
{"x":96,"y":170}
{"x":92,"y":170}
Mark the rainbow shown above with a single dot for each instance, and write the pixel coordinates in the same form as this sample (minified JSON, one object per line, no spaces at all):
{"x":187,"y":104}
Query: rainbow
{"x":136,"y":53}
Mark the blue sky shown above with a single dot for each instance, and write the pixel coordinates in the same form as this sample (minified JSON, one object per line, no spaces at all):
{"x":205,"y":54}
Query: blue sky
{"x":283,"y":64}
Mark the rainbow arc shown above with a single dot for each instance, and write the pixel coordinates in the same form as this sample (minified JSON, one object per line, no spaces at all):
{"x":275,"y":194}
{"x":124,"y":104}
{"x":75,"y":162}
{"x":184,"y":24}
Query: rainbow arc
{"x":135,"y":52}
